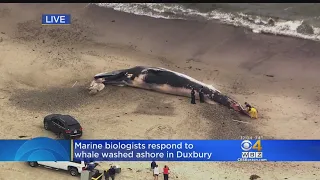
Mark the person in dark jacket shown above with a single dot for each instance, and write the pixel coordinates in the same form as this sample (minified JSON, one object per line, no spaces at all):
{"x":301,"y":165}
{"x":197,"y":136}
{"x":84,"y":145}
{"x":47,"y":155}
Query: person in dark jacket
{"x":106,"y":174}
{"x":193,"y":96}
{"x":112,"y":172}
{"x":201,"y":95}
{"x":248,"y":106}
{"x":153,"y":164}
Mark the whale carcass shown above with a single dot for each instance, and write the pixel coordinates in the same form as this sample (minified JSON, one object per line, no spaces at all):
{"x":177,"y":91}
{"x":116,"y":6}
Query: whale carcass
{"x":162,"y":80}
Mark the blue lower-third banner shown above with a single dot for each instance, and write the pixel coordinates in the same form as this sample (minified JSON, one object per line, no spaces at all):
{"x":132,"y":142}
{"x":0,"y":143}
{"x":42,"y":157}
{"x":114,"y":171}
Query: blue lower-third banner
{"x":46,"y":149}
{"x":196,"y":150}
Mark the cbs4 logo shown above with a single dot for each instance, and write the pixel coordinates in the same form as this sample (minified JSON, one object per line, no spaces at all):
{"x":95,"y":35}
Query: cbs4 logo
{"x":246,"y":145}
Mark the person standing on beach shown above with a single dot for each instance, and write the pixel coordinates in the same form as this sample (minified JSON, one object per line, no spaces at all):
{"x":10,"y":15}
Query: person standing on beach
{"x":166,"y":172}
{"x":193,"y":96}
{"x":106,"y":174}
{"x":201,"y":96}
{"x":112,"y":172}
{"x":156,"y":172}
{"x":153,"y":164}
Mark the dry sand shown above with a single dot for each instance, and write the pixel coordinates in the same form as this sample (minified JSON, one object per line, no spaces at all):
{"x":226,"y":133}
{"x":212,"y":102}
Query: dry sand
{"x":40,"y":64}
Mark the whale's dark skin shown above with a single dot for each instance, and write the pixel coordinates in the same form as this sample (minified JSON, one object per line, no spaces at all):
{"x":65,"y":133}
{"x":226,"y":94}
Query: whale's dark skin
{"x":166,"y":81}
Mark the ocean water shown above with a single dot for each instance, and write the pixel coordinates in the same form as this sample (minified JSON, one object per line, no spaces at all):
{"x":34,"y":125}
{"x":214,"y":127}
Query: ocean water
{"x":289,"y":19}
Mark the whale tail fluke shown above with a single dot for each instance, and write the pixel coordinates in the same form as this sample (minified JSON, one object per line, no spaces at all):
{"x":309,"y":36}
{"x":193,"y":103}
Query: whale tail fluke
{"x":239,"y":108}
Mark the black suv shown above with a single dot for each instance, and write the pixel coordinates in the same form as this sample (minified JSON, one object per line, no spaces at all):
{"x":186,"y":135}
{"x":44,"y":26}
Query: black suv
{"x":65,"y":126}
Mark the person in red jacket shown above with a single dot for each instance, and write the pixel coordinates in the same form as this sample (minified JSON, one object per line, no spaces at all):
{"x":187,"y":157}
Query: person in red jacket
{"x":166,"y":172}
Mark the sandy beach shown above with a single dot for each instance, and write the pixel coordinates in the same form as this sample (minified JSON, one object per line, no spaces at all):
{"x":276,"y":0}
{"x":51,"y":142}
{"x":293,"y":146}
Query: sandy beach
{"x":46,"y":69}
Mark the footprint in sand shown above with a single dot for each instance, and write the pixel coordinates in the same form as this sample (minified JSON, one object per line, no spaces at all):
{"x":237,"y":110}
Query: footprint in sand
{"x":160,"y":132}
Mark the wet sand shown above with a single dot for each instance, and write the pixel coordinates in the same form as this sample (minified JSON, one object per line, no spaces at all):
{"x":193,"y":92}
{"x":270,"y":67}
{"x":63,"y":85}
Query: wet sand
{"x":40,"y":64}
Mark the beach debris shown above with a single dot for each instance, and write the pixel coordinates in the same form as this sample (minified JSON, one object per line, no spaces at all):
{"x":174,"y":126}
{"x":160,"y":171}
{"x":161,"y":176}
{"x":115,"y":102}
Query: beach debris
{"x":3,"y":33}
{"x":305,"y":28}
{"x":129,"y":169}
{"x":254,"y":177}
{"x":1,"y":39}
{"x":240,"y":121}
{"x":22,"y":136}
{"x":188,"y":60}
{"x":113,"y":21}
{"x":269,"y":75}
{"x":74,"y":83}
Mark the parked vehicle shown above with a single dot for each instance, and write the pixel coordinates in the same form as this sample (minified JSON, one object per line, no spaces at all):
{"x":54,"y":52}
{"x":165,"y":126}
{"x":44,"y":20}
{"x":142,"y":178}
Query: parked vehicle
{"x":65,"y":126}
{"x":74,"y":167}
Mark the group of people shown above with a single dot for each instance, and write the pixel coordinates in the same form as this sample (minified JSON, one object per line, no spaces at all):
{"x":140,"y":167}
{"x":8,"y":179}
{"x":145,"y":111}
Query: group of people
{"x":110,"y":173}
{"x":250,"y":109}
{"x":193,"y":95}
{"x":156,"y":171}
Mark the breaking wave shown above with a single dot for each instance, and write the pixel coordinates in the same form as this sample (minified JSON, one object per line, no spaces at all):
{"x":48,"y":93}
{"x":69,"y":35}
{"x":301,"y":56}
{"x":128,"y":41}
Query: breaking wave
{"x":293,"y":28}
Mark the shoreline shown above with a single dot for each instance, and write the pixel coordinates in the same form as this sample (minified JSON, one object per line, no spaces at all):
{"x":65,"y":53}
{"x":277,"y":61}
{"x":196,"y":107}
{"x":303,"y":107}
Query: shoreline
{"x":254,"y":23}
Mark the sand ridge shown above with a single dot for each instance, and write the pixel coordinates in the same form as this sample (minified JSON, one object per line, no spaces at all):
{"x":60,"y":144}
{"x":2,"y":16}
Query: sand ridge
{"x":40,"y":64}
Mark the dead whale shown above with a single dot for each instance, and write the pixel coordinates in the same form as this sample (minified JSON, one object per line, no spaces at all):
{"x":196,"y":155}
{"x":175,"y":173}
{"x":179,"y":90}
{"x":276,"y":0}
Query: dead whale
{"x":162,"y":80}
